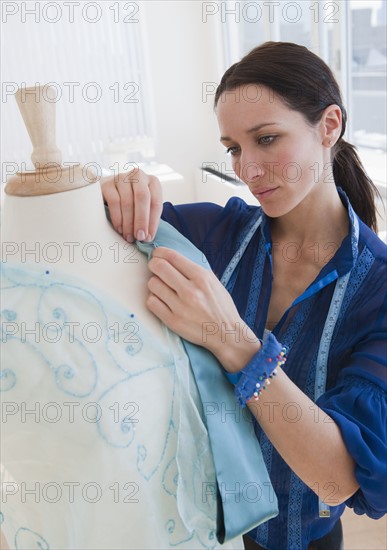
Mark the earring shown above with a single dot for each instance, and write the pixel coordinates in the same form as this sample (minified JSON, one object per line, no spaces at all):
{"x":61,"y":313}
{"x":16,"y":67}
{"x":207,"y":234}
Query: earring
{"x":330,"y":142}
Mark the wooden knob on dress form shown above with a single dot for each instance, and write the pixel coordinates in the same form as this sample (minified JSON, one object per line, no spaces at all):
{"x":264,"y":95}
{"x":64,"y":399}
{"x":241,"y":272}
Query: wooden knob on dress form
{"x":37,"y":106}
{"x":38,"y":109}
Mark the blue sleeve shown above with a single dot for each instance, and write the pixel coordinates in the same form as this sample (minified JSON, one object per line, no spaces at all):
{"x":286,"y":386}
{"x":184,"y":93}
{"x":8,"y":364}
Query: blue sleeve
{"x":194,"y":221}
{"x":359,"y":409}
{"x":213,"y":229}
{"x":358,"y":405}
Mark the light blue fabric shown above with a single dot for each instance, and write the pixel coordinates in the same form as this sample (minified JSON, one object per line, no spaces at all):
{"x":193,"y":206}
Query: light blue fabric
{"x":245,"y":494}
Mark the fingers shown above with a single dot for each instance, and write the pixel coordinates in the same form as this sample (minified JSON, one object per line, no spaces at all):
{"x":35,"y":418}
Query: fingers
{"x":156,"y":206}
{"x":167,"y":274}
{"x":112,"y":197}
{"x":160,"y":309}
{"x":135,"y":204}
{"x":178,"y":282}
{"x":172,"y":307}
{"x":141,"y":204}
{"x":163,"y":292}
{"x":125,"y":190}
{"x":163,"y":302}
{"x":183,"y":265}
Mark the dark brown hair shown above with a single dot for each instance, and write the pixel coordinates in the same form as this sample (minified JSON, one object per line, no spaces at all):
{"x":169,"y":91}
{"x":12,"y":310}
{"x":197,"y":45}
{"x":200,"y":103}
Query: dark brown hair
{"x":307,"y":85}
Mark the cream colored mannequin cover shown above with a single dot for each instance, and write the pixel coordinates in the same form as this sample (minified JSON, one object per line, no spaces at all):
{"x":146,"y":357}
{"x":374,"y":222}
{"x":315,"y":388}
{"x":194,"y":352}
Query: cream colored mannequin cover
{"x":62,"y":260}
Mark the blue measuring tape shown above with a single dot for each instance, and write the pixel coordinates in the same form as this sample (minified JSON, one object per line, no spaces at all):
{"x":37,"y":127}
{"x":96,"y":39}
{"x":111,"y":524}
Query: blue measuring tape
{"x":256,"y":222}
{"x":325,"y":343}
{"x":323,"y":353}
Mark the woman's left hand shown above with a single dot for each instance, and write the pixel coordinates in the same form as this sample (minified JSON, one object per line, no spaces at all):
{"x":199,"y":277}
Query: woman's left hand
{"x":192,"y":302}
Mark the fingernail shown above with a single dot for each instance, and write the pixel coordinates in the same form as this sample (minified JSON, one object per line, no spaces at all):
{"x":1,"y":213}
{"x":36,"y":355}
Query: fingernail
{"x":149,"y":238}
{"x":140,"y":235}
{"x":129,"y":238}
{"x":120,"y":230}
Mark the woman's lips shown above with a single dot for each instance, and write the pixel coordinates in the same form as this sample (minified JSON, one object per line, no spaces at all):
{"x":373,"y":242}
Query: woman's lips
{"x":264,"y":193}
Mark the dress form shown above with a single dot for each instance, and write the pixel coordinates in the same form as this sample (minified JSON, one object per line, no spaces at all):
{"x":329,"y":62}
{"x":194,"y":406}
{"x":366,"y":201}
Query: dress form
{"x":57,"y":211}
{"x":50,"y":226}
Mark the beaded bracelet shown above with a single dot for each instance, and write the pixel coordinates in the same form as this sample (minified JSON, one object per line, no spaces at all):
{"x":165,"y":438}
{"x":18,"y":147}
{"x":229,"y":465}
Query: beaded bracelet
{"x":256,"y":375}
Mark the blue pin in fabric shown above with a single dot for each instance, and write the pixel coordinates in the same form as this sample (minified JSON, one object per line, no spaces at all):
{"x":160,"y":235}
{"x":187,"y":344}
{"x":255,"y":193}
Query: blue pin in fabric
{"x":240,"y":469}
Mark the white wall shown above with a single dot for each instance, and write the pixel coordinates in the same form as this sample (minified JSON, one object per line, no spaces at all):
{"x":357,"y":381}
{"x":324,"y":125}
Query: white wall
{"x":183,"y":54}
{"x":182,"y":50}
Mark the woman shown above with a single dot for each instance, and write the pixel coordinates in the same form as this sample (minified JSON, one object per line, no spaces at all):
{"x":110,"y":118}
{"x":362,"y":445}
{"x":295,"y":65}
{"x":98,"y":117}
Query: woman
{"x":307,"y":266}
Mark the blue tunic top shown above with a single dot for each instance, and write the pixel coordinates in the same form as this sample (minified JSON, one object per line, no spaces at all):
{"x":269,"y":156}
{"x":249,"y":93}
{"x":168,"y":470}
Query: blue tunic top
{"x":355,"y":396}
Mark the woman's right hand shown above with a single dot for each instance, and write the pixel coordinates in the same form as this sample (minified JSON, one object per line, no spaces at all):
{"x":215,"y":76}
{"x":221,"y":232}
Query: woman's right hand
{"x":135,"y":204}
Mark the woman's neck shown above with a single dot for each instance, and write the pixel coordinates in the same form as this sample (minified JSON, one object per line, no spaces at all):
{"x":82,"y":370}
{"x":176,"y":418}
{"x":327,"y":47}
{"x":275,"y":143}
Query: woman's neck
{"x":320,"y":218}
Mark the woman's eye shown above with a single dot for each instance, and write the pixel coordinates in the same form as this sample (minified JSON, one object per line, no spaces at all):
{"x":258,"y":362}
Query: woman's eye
{"x":266,"y":140}
{"x":232,"y":151}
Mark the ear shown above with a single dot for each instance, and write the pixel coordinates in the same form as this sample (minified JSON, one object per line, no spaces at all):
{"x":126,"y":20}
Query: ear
{"x":330,"y":125}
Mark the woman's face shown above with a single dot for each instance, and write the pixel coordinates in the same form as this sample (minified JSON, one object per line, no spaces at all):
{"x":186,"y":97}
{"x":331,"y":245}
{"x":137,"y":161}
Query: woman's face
{"x":274,"y":150}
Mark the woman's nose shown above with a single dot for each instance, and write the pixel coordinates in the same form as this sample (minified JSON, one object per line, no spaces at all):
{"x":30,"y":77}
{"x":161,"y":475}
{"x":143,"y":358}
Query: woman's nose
{"x":250,"y":168}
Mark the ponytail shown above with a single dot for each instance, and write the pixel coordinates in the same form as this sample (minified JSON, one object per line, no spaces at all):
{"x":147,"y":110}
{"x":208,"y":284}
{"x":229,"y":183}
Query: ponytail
{"x":349,"y":173}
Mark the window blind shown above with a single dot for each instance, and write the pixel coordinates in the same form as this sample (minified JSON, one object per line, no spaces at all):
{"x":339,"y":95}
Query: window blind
{"x":92,"y":54}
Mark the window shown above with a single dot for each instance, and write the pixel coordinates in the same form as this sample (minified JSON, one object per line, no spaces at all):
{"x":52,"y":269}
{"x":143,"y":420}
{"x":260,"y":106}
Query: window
{"x":367,"y":83}
{"x":92,"y":54}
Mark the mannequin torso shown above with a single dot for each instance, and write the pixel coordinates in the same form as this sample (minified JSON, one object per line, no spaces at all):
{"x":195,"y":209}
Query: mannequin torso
{"x":69,"y":231}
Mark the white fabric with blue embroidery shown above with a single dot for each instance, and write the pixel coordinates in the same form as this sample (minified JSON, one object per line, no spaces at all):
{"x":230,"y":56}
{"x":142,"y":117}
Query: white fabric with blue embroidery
{"x":103,"y":443}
